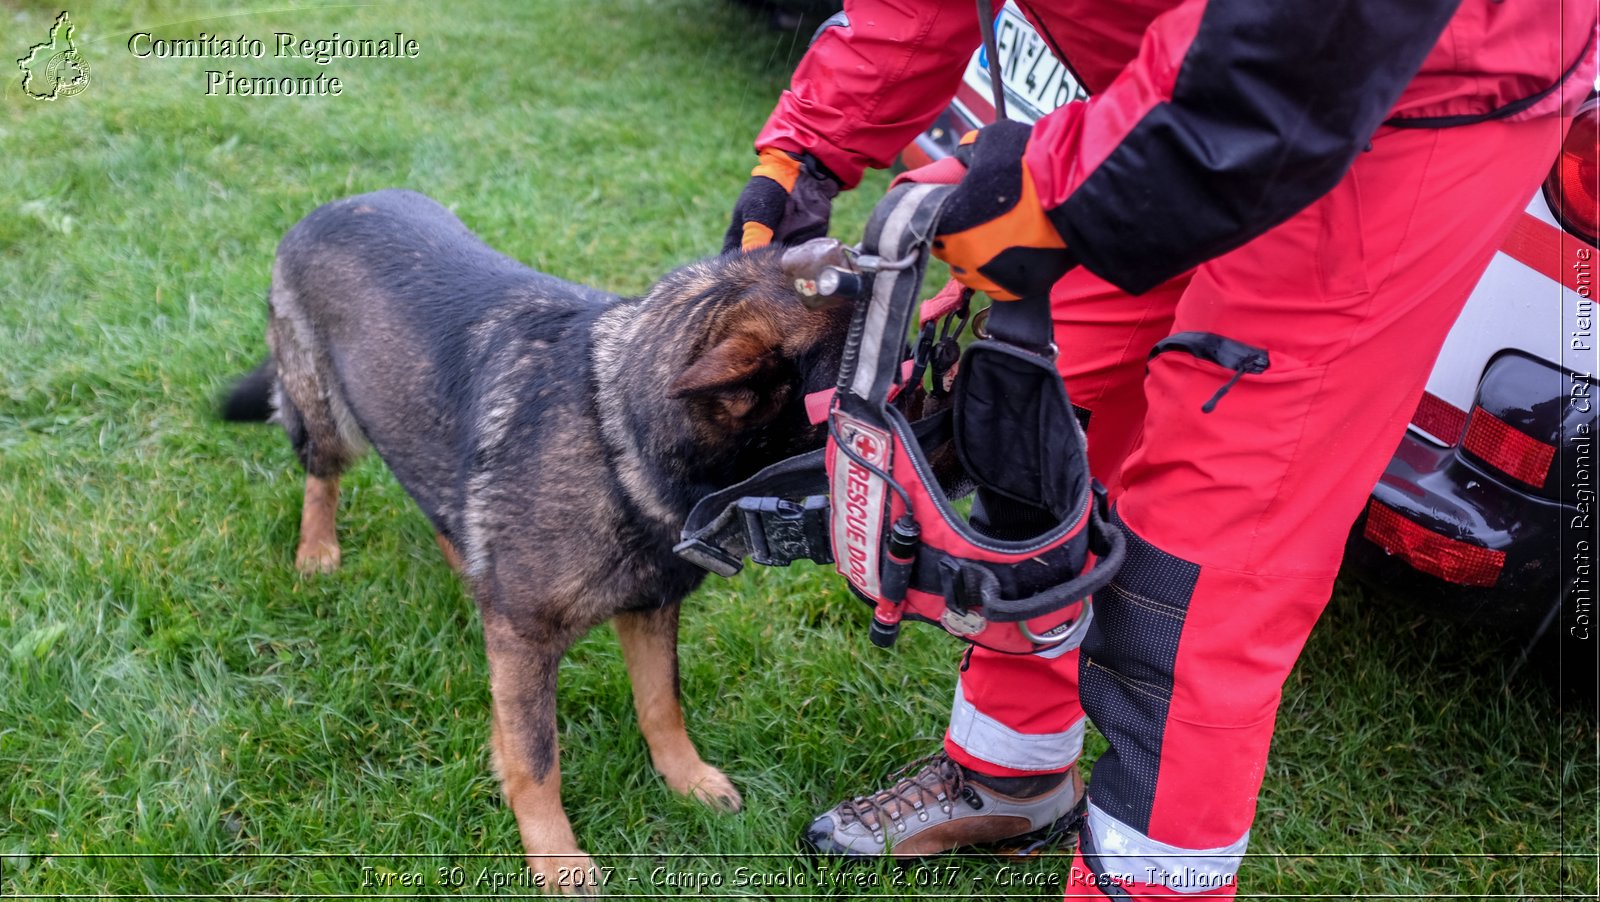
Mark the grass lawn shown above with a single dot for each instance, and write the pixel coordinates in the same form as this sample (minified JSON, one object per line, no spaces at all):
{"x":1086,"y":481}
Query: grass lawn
{"x":181,"y":714}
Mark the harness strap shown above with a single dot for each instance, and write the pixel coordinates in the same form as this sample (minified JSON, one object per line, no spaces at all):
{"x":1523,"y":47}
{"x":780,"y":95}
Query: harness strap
{"x":776,"y":517}
{"x":1024,"y":322}
{"x":946,"y":302}
{"x":819,"y":402}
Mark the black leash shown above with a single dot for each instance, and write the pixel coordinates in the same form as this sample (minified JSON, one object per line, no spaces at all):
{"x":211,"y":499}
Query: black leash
{"x":996,"y":86}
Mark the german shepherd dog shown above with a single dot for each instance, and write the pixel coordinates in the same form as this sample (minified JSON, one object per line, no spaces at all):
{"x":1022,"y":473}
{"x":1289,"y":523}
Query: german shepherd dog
{"x":555,"y":435}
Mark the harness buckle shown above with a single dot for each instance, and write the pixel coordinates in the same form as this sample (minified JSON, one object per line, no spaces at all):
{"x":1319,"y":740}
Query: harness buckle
{"x":781,"y":531}
{"x":964,"y":624}
{"x":708,"y":556}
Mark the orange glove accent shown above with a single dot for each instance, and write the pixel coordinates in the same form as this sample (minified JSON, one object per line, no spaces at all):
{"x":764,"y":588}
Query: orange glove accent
{"x":778,"y":165}
{"x":787,"y":200}
{"x":755,"y":235}
{"x":993,"y":231}
{"x":1022,"y":226}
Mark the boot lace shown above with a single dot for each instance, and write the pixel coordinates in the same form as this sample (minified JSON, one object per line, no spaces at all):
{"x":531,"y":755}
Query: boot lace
{"x":933,"y":781}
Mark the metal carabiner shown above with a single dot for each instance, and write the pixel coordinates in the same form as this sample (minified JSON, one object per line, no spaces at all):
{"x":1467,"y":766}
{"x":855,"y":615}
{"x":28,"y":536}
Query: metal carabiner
{"x":1074,"y":633}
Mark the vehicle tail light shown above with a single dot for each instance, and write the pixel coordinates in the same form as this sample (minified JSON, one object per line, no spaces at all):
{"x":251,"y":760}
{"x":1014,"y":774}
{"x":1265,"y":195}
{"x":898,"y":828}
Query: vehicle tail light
{"x":1508,"y":449}
{"x":1449,"y":559}
{"x":1573,"y":187}
{"x":1439,"y":418}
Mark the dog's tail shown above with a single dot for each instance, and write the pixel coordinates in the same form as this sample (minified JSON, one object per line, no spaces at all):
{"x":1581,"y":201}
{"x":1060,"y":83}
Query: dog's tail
{"x":250,"y":399}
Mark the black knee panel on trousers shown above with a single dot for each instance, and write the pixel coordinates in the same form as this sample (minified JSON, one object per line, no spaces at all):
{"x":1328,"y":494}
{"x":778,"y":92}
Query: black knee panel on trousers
{"x":1125,"y":672}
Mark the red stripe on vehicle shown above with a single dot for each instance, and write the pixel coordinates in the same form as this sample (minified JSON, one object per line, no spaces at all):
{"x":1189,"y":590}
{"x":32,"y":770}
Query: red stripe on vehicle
{"x":1547,"y":250}
{"x":1508,"y":449}
{"x":913,"y":158}
{"x":981,"y":106}
{"x":1439,"y":418}
{"x":1449,"y":559}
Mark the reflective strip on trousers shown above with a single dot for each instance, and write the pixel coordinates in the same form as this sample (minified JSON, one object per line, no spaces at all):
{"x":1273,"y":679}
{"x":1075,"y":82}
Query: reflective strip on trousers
{"x":985,"y":738}
{"x":1116,"y":849}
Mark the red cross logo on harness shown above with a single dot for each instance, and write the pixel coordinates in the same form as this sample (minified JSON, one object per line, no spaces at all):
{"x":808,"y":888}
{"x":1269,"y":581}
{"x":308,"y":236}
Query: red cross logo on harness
{"x":866,"y":446}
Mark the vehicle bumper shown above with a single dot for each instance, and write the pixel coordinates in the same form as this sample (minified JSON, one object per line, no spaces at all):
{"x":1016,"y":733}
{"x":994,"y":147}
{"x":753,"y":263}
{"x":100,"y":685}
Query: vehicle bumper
{"x":1482,"y":525}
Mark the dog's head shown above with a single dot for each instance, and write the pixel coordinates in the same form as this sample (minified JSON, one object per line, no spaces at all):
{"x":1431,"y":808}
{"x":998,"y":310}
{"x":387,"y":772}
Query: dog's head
{"x":759,"y":352}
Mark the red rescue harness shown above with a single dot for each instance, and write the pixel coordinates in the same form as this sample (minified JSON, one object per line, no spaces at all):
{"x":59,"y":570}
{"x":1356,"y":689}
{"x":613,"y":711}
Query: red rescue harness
{"x":1015,"y":571}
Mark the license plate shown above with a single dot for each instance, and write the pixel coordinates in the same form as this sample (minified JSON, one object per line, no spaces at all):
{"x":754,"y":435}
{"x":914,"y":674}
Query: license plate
{"x":1035,"y":81}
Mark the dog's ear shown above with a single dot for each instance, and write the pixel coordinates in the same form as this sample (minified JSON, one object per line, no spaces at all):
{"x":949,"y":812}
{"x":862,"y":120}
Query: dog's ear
{"x":736,"y":373}
{"x":734,"y":360}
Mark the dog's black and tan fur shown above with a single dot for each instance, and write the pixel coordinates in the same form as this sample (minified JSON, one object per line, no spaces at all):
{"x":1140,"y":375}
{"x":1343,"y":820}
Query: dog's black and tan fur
{"x":556,"y":437}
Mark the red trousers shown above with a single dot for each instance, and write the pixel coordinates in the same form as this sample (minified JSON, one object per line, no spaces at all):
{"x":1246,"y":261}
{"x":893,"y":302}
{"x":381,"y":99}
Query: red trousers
{"x":1237,"y":518}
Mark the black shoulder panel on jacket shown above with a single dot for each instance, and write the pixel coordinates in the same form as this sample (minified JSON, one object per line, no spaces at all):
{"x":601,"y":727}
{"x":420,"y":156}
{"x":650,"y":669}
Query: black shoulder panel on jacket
{"x":1271,"y":105}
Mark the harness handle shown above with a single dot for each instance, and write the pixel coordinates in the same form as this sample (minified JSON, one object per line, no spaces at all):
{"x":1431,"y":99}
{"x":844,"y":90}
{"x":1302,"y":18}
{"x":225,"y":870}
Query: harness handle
{"x":1019,"y":610}
{"x":892,"y":259}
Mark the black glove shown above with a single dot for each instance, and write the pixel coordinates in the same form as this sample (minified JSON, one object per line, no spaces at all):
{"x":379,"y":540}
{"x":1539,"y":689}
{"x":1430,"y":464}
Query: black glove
{"x":787,"y":200}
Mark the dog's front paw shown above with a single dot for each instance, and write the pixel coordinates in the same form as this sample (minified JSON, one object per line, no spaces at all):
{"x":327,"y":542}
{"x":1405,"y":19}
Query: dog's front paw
{"x":573,"y":874}
{"x":317,"y":557}
{"x":707,"y":785}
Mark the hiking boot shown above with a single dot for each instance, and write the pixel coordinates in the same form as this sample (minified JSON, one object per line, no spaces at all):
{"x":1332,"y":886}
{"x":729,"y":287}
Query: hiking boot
{"x":934,"y":805}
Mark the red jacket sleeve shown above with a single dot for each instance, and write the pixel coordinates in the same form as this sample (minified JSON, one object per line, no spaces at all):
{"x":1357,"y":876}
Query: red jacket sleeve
{"x":1234,"y":116}
{"x":867,"y":88}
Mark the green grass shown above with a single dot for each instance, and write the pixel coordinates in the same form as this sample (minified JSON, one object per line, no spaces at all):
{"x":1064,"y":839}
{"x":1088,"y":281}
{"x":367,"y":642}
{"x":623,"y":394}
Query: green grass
{"x":168,"y":686}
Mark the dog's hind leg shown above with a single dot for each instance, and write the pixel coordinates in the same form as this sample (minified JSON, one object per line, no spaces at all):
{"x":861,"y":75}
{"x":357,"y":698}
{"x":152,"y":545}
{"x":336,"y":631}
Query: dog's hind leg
{"x":320,"y":427}
{"x":318,"y":551}
{"x":522,"y":681}
{"x":650,"y":649}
